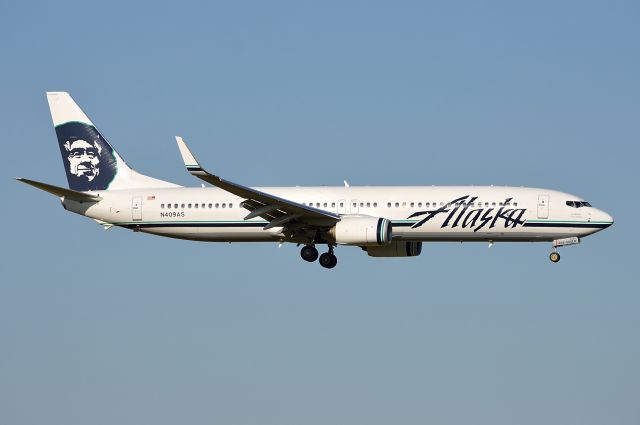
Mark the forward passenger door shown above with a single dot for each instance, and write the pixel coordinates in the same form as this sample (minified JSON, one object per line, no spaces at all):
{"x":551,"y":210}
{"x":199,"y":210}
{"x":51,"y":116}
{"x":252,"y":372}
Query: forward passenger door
{"x":543,"y":206}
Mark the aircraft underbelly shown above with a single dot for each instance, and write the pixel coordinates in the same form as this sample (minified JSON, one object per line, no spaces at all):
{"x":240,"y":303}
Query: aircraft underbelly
{"x":213,"y":234}
{"x":520,"y":235}
{"x":259,"y":235}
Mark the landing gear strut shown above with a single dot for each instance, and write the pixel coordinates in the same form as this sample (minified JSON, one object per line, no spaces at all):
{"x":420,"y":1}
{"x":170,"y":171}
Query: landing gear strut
{"x":555,"y":256}
{"x":309,"y":253}
{"x":328,"y":260}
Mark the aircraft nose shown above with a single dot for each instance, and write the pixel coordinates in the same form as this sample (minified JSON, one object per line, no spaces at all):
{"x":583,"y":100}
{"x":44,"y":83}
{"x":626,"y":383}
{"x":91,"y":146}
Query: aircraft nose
{"x":605,"y":218}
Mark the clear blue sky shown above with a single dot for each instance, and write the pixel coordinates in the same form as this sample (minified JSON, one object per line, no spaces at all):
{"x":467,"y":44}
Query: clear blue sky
{"x":122,"y":328}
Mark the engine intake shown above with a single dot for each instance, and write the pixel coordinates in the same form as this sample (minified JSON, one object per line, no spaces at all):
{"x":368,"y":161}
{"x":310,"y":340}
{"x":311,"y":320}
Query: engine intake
{"x":362,"y":230}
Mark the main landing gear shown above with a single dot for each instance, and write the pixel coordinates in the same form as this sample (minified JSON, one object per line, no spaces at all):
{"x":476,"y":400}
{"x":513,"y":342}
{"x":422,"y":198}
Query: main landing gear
{"x":309,"y":253}
{"x":328,"y":260}
{"x":554,"y":256}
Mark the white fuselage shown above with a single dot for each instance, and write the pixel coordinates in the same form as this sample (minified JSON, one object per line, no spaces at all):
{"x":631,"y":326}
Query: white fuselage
{"x":418,"y":213}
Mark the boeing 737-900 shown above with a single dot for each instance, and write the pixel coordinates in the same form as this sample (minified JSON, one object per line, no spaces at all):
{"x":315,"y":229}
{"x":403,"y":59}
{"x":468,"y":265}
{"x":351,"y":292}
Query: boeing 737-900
{"x":383,"y":221}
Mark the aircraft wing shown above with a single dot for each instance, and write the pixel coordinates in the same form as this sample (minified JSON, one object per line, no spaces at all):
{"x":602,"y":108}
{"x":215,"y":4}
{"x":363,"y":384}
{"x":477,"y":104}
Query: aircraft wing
{"x":277,"y":211}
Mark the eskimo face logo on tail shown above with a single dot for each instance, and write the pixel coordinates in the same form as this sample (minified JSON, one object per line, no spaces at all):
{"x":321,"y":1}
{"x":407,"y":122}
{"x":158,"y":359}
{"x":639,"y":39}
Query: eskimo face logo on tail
{"x":88,"y":159}
{"x":462,"y":212}
{"x":84,"y":158}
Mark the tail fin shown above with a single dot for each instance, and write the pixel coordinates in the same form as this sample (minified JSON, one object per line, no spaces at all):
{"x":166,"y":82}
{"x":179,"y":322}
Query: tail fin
{"x":90,"y":161}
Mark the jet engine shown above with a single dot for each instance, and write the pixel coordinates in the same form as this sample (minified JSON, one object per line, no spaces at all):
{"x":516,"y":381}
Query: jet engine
{"x":362,"y":230}
{"x":395,"y":249}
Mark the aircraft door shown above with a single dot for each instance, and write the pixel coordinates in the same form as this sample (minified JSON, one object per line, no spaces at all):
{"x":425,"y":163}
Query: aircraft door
{"x":543,"y":206}
{"x":354,"y":206}
{"x":136,"y":208}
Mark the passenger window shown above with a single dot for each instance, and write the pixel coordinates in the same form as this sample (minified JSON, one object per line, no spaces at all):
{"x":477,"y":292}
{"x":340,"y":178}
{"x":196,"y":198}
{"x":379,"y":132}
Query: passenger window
{"x":375,"y":205}
{"x":333,"y":205}
{"x":412,"y":204}
{"x":161,"y":206}
{"x":325,"y":205}
{"x":230,"y":205}
{"x":168,"y":205}
{"x":195,"y":205}
{"x":368,"y":204}
{"x":341,"y":204}
{"x":397,"y":204}
{"x":388,"y":204}
{"x":361,"y":204}
{"x":189,"y":205}
{"x":210,"y":205}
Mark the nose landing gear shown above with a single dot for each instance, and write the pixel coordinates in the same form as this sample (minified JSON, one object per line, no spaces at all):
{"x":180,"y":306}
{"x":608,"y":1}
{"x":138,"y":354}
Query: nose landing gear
{"x":555,"y":256}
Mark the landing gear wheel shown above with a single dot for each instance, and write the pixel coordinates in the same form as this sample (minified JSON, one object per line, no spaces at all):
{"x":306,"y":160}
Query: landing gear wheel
{"x":309,"y":253}
{"x":554,"y":257}
{"x":328,"y":260}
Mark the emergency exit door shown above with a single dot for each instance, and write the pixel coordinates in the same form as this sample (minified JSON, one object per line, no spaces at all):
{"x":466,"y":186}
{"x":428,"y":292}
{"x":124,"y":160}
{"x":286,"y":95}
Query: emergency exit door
{"x":543,"y":206}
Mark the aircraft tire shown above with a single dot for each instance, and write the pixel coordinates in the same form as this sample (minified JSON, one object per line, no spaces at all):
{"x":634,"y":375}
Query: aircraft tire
{"x":554,"y":257}
{"x":309,"y":253}
{"x":328,"y":260}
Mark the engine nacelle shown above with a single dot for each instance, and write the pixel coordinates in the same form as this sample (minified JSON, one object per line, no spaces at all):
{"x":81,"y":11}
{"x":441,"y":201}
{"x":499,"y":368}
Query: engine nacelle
{"x":395,"y":249}
{"x":362,"y":230}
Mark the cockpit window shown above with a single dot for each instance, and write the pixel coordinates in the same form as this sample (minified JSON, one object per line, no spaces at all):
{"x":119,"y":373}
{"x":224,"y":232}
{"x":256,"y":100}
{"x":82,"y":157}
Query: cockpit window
{"x":578,"y":204}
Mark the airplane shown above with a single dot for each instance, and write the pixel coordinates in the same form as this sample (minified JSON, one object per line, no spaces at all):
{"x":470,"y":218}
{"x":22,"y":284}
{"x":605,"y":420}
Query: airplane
{"x":382,"y":221}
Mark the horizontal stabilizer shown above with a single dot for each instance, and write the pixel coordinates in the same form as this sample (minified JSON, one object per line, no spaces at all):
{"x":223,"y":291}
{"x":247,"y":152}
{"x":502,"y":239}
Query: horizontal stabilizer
{"x":61,"y":192}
